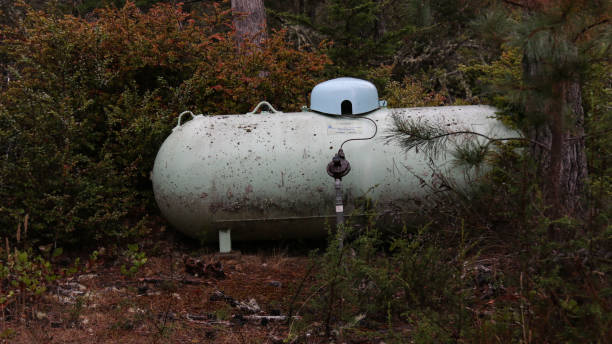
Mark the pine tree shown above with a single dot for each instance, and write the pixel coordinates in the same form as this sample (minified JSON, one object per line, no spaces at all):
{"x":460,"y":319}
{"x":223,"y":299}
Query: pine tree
{"x":361,"y":33}
{"x":559,"y":40}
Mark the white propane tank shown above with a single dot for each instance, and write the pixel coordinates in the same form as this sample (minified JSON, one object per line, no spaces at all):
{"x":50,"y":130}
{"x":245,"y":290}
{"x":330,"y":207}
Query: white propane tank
{"x":264,"y":175}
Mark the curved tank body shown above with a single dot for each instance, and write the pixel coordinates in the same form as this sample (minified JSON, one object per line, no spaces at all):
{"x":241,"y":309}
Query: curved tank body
{"x":264,"y":175}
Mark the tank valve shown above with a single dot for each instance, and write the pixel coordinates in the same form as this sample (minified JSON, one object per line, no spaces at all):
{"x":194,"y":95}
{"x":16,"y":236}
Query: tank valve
{"x":338,"y":168}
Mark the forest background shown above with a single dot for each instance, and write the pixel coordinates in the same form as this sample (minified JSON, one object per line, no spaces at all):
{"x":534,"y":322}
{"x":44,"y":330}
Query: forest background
{"x":91,"y":88}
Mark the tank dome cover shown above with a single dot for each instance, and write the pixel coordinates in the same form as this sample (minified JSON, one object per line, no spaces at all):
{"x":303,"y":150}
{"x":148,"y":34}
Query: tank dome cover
{"x":344,"y":96}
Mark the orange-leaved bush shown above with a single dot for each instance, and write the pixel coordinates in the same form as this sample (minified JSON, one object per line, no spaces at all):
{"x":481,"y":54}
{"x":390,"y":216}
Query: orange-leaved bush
{"x":86,"y":103}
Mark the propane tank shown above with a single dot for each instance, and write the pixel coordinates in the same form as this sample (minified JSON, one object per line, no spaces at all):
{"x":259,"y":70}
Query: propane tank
{"x":264,"y":175}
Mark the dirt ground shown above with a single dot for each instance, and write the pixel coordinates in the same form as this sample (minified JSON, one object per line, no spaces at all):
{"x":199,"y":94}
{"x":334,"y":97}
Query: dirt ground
{"x":189,"y":293}
{"x":180,"y":295}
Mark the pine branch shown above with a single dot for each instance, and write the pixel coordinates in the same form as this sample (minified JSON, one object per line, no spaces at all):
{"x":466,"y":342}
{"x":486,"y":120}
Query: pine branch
{"x":433,"y":138}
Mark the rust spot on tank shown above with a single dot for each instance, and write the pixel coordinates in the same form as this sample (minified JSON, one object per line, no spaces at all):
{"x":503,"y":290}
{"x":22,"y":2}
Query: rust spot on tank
{"x":248,"y":189}
{"x":203,"y":195}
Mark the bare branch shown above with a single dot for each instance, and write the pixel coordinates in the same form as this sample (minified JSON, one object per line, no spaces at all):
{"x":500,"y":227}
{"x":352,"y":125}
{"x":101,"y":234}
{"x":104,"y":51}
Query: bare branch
{"x":586,"y":29}
{"x":518,"y":4}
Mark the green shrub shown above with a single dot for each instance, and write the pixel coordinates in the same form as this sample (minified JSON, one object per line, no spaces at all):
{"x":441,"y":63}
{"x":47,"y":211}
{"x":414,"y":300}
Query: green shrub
{"x":354,"y":281}
{"x":499,"y":82}
{"x":24,"y":276}
{"x":410,"y":93}
{"x":89,"y":102}
{"x":135,"y":260}
{"x":369,"y":283}
{"x":538,"y":289}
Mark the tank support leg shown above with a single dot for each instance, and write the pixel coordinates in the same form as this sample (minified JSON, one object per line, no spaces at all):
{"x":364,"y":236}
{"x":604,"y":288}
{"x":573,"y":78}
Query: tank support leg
{"x":225,"y":240}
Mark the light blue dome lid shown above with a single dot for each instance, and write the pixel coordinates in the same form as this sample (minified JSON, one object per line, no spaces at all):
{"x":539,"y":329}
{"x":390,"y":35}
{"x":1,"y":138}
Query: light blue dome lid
{"x":344,"y":96}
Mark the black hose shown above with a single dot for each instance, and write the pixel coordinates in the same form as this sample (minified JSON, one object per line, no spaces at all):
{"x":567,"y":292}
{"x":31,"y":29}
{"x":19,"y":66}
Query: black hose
{"x":361,"y":138}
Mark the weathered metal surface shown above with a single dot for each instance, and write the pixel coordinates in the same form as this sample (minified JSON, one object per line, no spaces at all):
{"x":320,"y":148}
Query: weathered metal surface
{"x":264,"y":176}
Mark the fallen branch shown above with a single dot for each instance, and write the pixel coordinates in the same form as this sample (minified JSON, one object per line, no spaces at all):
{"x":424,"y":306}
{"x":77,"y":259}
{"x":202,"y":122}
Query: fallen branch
{"x":205,"y":319}
{"x":257,"y":319}
{"x":270,"y":317}
{"x":158,"y":280}
{"x":250,"y":306}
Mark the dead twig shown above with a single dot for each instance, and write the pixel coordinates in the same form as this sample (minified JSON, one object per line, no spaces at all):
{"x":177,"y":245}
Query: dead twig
{"x":200,"y":319}
{"x":299,"y":289}
{"x":158,"y":280}
{"x":271,"y":317}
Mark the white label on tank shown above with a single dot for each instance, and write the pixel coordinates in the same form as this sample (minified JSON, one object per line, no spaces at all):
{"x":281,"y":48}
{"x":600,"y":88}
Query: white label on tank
{"x":344,"y":129}
{"x":339,"y":209}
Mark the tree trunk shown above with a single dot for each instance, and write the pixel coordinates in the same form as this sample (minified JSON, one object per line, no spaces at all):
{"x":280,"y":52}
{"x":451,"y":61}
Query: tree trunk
{"x":560,"y":128}
{"x":381,"y":25}
{"x":250,"y":21}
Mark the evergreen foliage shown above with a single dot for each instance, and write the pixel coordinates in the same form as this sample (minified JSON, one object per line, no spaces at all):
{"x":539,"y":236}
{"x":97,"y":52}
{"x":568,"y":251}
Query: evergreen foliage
{"x":360,"y":34}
